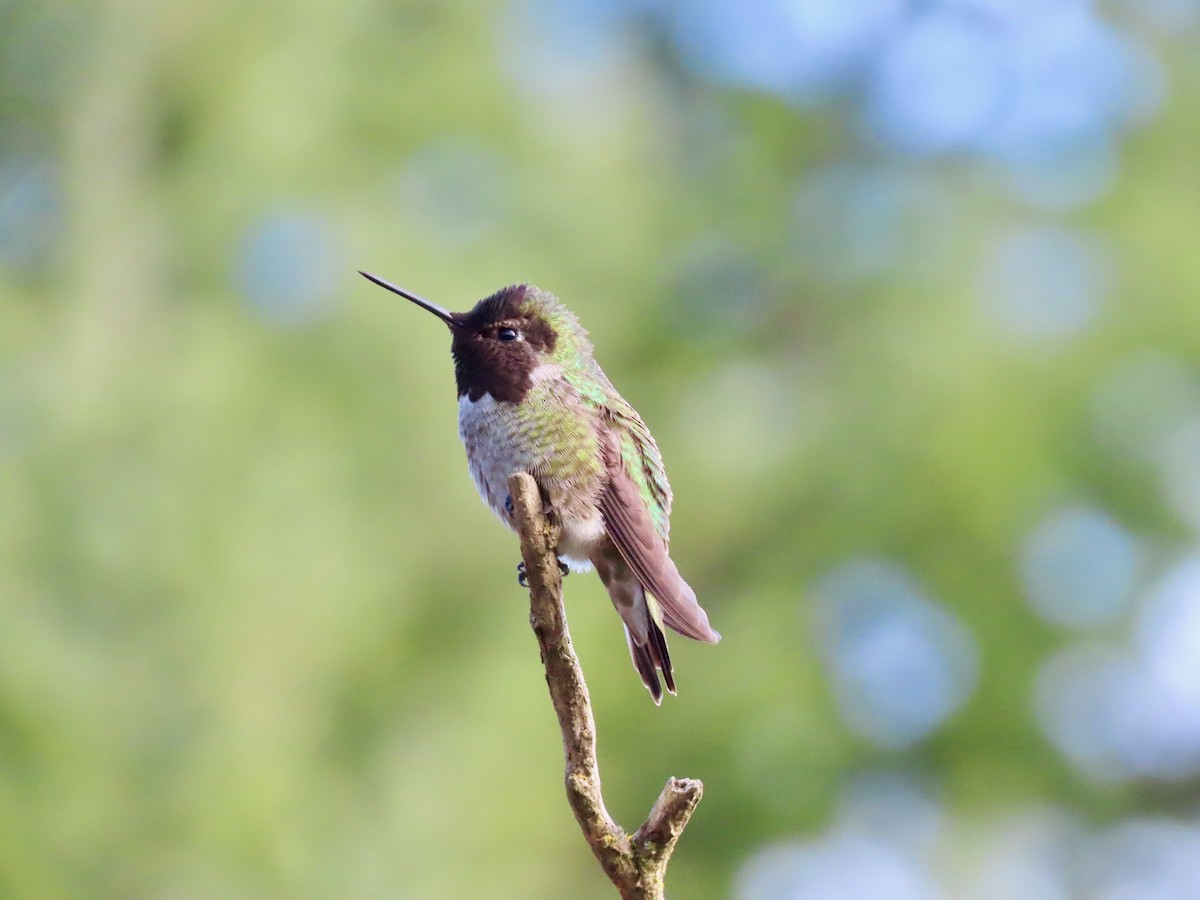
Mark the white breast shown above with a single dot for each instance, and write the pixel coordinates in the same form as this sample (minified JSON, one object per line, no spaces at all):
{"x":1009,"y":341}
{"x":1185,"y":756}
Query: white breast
{"x":491,"y":454}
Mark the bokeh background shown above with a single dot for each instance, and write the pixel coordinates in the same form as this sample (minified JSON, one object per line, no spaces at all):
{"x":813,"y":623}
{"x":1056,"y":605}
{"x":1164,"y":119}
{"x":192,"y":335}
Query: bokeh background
{"x":906,"y":290}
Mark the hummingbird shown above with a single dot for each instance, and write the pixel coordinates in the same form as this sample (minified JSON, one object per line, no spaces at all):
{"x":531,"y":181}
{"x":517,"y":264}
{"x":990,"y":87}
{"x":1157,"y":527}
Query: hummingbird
{"x":532,"y":398}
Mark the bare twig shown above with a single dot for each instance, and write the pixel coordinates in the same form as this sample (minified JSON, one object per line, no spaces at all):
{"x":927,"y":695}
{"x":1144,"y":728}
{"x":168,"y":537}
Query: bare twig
{"x":635,"y":864}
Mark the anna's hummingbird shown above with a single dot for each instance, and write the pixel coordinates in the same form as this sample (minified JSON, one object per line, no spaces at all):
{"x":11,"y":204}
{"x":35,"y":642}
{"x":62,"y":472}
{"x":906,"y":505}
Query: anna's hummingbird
{"x":531,"y":398}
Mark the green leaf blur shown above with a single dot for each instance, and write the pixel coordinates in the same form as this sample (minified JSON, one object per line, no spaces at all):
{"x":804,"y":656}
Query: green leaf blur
{"x":259,"y":637}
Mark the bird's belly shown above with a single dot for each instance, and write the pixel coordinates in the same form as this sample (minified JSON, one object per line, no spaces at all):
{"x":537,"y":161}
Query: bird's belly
{"x":578,"y":540}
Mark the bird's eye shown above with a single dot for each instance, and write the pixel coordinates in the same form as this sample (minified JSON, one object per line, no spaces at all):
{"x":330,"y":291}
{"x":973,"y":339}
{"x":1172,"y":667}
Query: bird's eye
{"x":507,"y":334}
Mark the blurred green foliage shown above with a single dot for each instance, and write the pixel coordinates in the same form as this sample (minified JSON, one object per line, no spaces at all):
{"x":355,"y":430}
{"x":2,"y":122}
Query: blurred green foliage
{"x":261,"y":639}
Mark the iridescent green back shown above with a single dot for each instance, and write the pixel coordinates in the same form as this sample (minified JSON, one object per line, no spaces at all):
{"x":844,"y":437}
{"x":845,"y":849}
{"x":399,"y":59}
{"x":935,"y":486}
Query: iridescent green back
{"x":639,"y":452}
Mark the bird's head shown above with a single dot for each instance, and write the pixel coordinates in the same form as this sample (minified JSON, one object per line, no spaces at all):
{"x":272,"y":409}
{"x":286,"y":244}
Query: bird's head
{"x":501,"y":344}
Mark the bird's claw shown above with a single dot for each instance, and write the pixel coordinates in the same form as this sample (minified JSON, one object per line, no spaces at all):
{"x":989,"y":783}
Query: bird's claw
{"x":508,"y":505}
{"x":523,"y":575}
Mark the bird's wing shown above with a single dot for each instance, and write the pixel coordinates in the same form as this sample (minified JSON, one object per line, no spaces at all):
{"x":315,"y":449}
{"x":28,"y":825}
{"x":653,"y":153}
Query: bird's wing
{"x":632,"y":524}
{"x":641,"y":460}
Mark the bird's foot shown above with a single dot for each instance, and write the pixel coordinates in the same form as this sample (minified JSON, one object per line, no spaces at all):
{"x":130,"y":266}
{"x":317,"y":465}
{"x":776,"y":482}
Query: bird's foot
{"x":508,"y":505}
{"x":523,"y":575}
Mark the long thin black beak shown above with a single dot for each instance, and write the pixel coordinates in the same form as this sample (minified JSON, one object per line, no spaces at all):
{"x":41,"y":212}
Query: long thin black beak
{"x":444,"y":314}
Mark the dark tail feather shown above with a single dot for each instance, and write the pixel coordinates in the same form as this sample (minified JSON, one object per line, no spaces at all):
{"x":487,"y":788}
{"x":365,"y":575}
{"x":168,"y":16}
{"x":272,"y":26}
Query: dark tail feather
{"x":645,"y":667}
{"x":650,"y":659}
{"x":642,"y":617}
{"x":660,"y":655}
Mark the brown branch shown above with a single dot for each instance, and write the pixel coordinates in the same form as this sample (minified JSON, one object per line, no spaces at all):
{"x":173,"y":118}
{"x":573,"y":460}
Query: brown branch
{"x":636,"y":864}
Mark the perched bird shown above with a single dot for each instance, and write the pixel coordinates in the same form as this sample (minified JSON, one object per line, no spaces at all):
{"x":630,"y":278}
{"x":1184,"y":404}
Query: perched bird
{"x":531,"y":398}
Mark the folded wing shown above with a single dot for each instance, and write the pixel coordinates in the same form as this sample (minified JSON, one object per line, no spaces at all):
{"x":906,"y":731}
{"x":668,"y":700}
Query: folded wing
{"x":632,"y":528}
